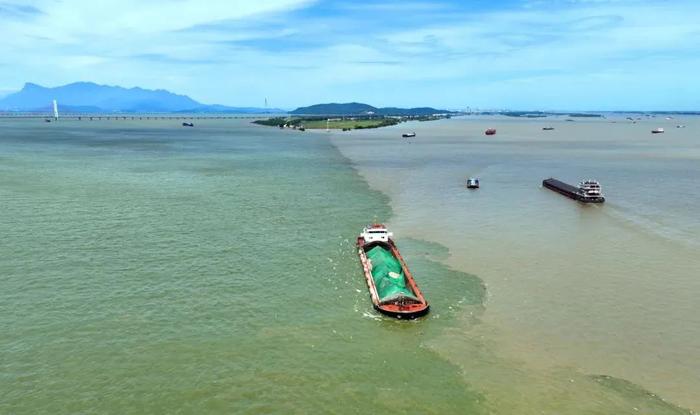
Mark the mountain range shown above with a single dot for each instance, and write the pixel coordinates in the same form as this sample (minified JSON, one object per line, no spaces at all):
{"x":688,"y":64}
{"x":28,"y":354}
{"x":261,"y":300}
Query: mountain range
{"x":91,"y":97}
{"x":356,"y":108}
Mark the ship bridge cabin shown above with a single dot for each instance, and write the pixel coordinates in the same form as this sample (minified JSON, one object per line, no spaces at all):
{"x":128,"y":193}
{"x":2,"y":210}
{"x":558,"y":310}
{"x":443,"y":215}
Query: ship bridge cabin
{"x":590,"y":189}
{"x":376,"y":233}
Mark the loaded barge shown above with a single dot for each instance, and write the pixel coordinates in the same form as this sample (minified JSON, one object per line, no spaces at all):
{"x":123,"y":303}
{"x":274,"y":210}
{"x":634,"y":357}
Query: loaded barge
{"x":588,"y":191}
{"x":391,"y":286}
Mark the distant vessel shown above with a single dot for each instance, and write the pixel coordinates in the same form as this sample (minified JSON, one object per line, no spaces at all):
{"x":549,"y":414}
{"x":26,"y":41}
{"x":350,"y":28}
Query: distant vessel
{"x":490,"y":131}
{"x":657,"y":131}
{"x":407,"y":135}
{"x":588,"y":191}
{"x":472,"y":183}
{"x":391,"y":286}
{"x":187,"y":124}
{"x":548,"y":128}
{"x":680,"y":126}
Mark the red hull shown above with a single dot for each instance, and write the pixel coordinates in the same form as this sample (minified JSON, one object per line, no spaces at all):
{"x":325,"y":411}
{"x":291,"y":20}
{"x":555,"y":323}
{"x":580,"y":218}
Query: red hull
{"x":397,"y":310}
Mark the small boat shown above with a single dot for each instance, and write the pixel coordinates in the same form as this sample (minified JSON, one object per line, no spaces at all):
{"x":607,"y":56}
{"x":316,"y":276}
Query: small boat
{"x":187,"y":124}
{"x":490,"y":131}
{"x":680,"y":126}
{"x":391,"y":286}
{"x":657,"y":131}
{"x":547,"y":128}
{"x":408,"y":135}
{"x":47,"y":120}
{"x":472,"y":183}
{"x":302,"y":128}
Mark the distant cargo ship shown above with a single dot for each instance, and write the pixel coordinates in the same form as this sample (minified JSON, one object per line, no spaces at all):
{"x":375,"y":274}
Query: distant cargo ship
{"x":657,"y":131}
{"x":407,"y":135}
{"x":547,"y":128}
{"x":187,"y":124}
{"x":391,"y":286}
{"x":490,"y":131}
{"x":588,"y":191}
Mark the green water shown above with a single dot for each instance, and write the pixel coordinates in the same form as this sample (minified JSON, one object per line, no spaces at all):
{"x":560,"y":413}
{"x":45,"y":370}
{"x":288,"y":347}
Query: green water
{"x":147,"y":268}
{"x":150,"y":269}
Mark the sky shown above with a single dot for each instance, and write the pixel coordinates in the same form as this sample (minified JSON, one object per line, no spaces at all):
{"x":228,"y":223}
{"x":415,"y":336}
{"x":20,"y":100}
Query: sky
{"x":487,"y":54}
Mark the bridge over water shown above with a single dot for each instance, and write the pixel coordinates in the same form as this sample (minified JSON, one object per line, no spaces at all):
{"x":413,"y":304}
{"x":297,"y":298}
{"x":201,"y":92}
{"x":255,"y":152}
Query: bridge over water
{"x":124,"y":117}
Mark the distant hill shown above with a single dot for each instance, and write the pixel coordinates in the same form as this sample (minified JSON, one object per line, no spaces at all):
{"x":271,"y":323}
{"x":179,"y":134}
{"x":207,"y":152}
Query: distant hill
{"x":356,"y":108}
{"x":351,"y":108}
{"x":91,"y":97}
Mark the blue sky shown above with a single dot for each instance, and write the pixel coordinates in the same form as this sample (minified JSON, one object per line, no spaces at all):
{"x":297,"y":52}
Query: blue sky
{"x":518,"y":54}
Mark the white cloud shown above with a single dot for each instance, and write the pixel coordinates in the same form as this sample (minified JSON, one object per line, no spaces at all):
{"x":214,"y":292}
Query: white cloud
{"x":128,"y":17}
{"x":81,"y":37}
{"x":239,"y":52}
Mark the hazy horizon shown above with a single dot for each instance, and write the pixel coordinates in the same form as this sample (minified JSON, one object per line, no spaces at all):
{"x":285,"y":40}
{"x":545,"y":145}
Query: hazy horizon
{"x":441,"y":107}
{"x":582,"y":55}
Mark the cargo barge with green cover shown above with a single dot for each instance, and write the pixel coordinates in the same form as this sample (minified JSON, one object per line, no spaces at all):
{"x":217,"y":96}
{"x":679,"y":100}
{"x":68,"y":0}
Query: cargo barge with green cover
{"x":392,"y":288}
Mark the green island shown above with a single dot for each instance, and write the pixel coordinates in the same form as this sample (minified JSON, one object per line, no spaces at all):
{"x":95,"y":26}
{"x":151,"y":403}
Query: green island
{"x":345,"y":123}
